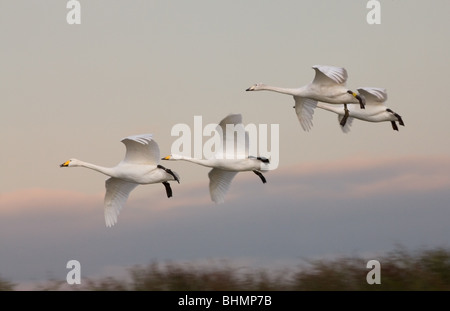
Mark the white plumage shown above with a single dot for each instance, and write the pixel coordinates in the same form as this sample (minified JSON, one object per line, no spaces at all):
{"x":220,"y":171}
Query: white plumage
{"x":327,"y":86}
{"x":226,"y":163}
{"x":140,"y":166}
{"x":376,"y":109}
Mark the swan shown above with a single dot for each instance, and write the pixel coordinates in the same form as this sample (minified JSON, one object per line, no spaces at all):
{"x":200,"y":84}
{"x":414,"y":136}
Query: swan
{"x":376,"y":110}
{"x":226,"y":164}
{"x":328,"y":86}
{"x":139,"y":167}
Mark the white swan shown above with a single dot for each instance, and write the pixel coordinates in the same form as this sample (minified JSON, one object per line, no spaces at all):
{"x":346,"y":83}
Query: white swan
{"x":227,"y":163}
{"x":140,"y":166}
{"x":376,"y":110}
{"x":328,"y":86}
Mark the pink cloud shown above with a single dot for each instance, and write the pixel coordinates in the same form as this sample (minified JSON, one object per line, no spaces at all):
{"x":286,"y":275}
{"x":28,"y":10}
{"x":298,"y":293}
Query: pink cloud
{"x":38,"y":203}
{"x":20,"y":200}
{"x":361,"y":176}
{"x":406,"y":182}
{"x":354,"y":177}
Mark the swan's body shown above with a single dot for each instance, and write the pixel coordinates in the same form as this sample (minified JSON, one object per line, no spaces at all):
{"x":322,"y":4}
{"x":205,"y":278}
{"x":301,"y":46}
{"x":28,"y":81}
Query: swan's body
{"x":139,"y":167}
{"x":328,"y":86}
{"x":376,"y":110}
{"x":225,"y":165}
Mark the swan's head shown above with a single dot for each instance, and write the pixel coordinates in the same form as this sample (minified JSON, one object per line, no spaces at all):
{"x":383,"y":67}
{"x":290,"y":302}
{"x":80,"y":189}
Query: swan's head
{"x":71,"y":162}
{"x":256,"y":87}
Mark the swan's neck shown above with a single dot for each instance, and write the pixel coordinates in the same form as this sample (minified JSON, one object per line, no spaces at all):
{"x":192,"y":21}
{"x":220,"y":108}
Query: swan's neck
{"x":330,"y":107}
{"x":204,"y":162}
{"x":282,"y":90}
{"x":104,"y":170}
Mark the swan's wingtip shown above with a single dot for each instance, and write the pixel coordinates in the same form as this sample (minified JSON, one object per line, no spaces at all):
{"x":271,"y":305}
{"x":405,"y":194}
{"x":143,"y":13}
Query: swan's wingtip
{"x":144,"y":139}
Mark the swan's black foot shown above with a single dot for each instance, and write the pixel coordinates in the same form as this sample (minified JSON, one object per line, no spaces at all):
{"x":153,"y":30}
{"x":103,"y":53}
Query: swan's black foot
{"x":394,"y":126}
{"x":168,"y":189}
{"x":362,"y":100}
{"x":399,"y":118}
{"x":260,"y":176}
{"x":263,"y":160}
{"x":346,"y":115}
{"x":169,"y":171}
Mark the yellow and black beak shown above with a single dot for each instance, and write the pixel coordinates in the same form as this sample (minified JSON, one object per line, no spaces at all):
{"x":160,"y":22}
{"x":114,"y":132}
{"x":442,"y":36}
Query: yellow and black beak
{"x":65,"y":164}
{"x":167,"y":158}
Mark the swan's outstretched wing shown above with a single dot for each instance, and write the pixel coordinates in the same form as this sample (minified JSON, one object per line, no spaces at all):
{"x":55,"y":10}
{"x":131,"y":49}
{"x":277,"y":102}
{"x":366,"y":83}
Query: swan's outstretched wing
{"x":348,"y":123}
{"x":117,"y":192}
{"x":373,"y":95}
{"x":304,"y":107}
{"x":219,"y":183}
{"x":141,"y":149}
{"x":326,"y":75}
{"x":234,"y":137}
{"x":234,"y":119}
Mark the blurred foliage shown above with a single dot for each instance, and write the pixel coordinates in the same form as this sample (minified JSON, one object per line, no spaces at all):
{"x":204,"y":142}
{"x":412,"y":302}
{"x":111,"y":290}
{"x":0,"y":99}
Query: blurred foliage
{"x":6,"y":285}
{"x":401,"y":270}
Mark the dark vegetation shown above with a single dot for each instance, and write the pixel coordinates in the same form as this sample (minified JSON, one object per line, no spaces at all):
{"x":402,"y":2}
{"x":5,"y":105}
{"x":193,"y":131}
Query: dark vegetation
{"x":401,"y":270}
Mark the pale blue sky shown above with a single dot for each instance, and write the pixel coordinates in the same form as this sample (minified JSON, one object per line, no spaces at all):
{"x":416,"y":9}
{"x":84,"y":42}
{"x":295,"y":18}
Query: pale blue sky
{"x":136,"y":67}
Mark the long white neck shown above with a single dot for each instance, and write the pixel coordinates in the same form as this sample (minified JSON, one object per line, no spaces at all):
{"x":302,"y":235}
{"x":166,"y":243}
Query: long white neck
{"x":282,"y":90}
{"x":104,"y":170}
{"x":339,"y":109}
{"x":204,"y":162}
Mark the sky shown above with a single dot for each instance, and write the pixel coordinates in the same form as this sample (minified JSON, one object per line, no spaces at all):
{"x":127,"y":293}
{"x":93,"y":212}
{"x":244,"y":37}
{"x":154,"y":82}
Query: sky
{"x":135,"y":67}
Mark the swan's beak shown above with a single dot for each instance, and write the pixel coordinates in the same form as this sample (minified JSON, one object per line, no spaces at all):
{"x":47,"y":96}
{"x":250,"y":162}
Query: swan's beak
{"x":65,"y":164}
{"x":252,"y":88}
{"x":166,"y":158}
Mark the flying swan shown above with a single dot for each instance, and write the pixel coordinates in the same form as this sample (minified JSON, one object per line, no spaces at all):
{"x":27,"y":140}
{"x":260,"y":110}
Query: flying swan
{"x":376,"y":110}
{"x":328,"y":86}
{"x":139,"y":167}
{"x":226,"y":163}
